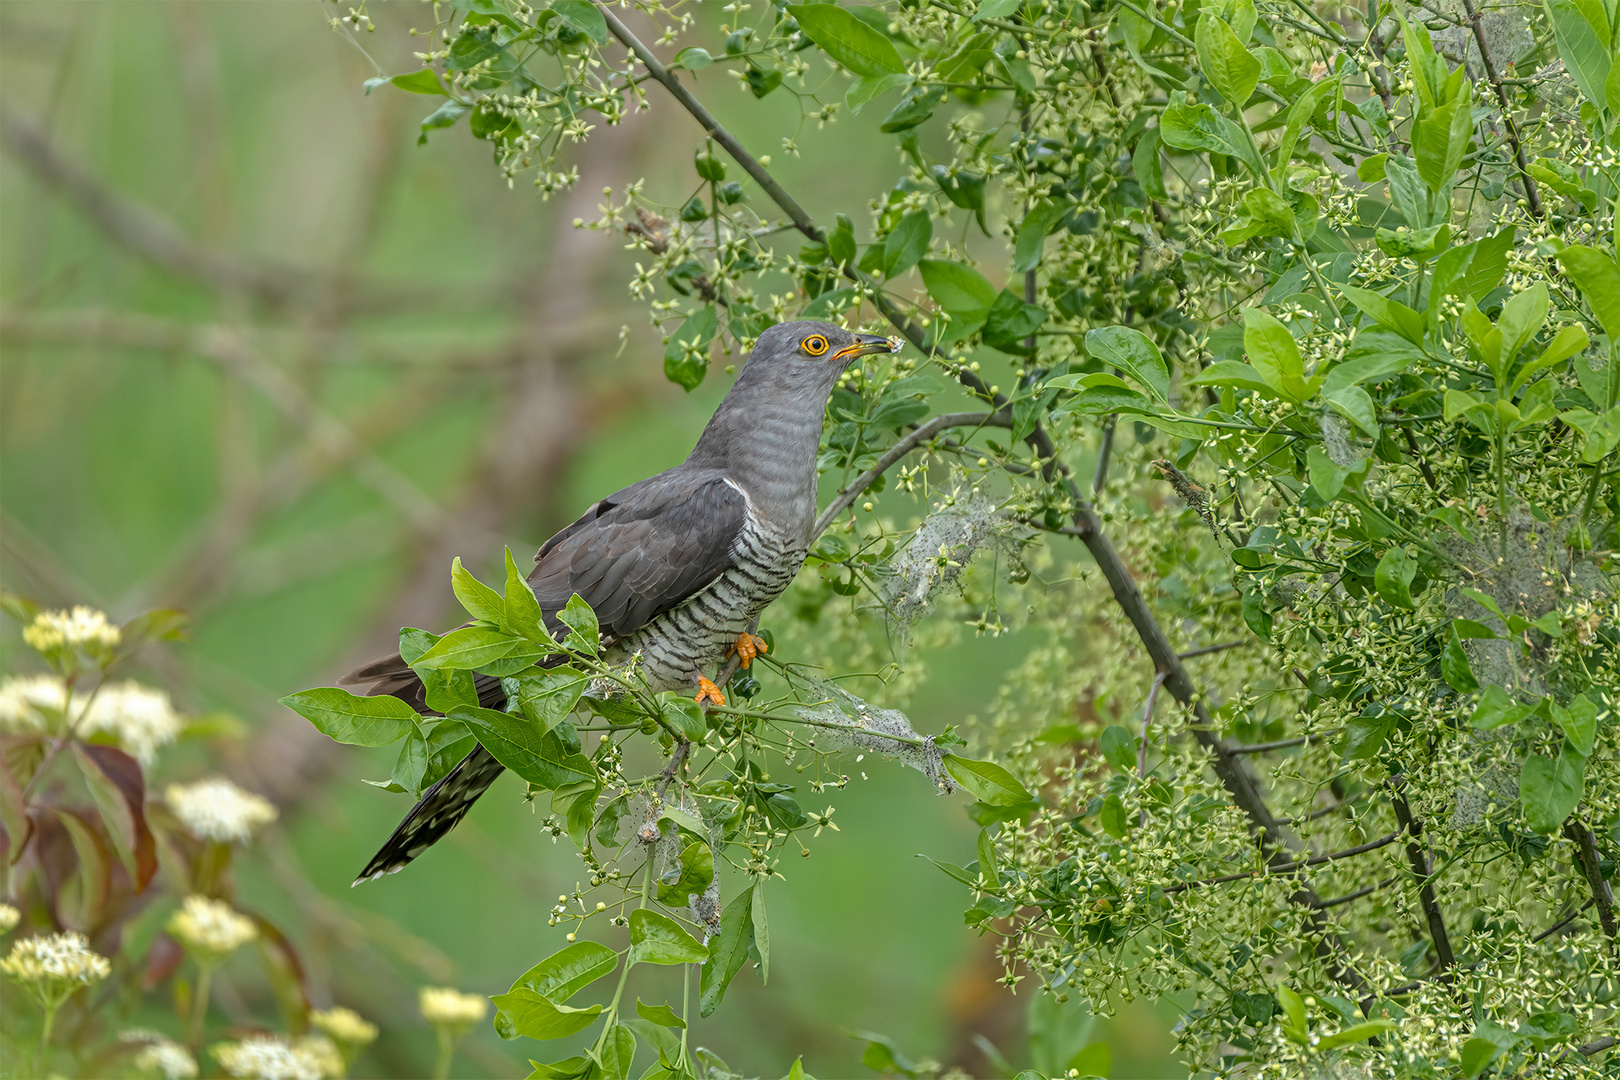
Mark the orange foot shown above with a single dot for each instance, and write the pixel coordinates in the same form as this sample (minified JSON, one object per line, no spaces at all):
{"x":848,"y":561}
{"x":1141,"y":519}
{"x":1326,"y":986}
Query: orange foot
{"x":747,"y":646}
{"x":708,"y":693}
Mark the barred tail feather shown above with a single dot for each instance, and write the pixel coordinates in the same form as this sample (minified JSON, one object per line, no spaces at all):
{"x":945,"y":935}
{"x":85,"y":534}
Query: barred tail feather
{"x":442,"y":807}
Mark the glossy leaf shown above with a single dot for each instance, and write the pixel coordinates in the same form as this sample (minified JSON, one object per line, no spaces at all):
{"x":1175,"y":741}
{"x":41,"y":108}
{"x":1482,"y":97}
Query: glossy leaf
{"x":658,"y":939}
{"x":848,"y":40}
{"x":358,"y":721}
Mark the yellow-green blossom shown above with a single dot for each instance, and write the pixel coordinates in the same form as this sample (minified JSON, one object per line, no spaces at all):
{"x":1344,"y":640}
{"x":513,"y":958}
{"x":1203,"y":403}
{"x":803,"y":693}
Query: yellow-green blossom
{"x":443,"y":1005}
{"x":345,"y":1025}
{"x":211,"y":928}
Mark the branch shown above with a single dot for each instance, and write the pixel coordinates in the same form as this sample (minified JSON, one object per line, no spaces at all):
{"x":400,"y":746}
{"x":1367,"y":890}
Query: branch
{"x":1532,"y":197}
{"x":1561,"y":923}
{"x":1275,"y":869}
{"x":152,"y":237}
{"x":910,"y":442}
{"x":1587,"y":856}
{"x":1418,"y":857}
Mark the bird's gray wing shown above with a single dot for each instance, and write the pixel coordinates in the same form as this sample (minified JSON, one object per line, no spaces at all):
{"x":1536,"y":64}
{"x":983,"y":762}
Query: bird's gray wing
{"x":643,"y":550}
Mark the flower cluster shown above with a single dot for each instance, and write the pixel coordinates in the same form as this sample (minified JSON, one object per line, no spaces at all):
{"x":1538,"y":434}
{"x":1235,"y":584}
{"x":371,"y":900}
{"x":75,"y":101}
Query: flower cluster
{"x":452,"y":1008}
{"x":211,"y":928}
{"x":139,"y":718}
{"x":345,"y":1026}
{"x":58,"y":635}
{"x":216,"y":809}
{"x":35,"y":704}
{"x":274,"y":1057}
{"x":161,"y":1056}
{"x":52,"y":966}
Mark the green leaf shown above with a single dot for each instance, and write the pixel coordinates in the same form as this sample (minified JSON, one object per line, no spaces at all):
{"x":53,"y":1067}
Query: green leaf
{"x":1583,"y":47}
{"x":1569,"y":341}
{"x":540,"y":758}
{"x":866,"y":89}
{"x":962,"y":291}
{"x":1299,"y":114}
{"x":996,"y":9}
{"x":1598,"y":278}
{"x":1095,"y":1059}
{"x":1364,"y":736}
{"x":1263,"y":213}
{"x":475,"y":648}
{"x":569,"y":970}
{"x":907,"y":244}
{"x":481,"y":601}
{"x":762,"y":934}
{"x":1130,"y":349}
{"x":1393,"y":577}
{"x":547,"y":698}
{"x":987,"y":781}
{"x":1326,"y":475}
{"x":686,"y":355}
{"x":1354,"y":1034}
{"x":1477,"y":1053}
{"x":424,"y":81}
{"x":685,"y":714}
{"x":1200,"y":127}
{"x":358,"y":721}
{"x":1386,"y":312}
{"x":1370,"y":367}
{"x":1440,"y":139}
{"x":1032,"y":232}
{"x":662,"y":1015}
{"x":728,"y":949}
{"x":848,"y":40}
{"x":1229,"y":67}
{"x":520,"y":611}
{"x":1119,"y":748}
{"x":1356,"y":405}
{"x":692,"y":58}
{"x":536,"y":1017}
{"x":658,"y":939}
{"x":1551,"y":789}
{"x":1274,"y":354}
{"x":1293,"y":1011}
{"x":584,"y":17}
{"x":1454,"y":666}
{"x":1112,"y":817}
{"x":1497,"y":708}
{"x":1233,"y":373}
{"x":584,"y":632}
{"x":1579,"y":724}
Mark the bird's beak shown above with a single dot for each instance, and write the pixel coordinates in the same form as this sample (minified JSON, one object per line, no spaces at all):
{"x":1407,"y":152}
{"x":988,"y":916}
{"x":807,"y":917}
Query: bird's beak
{"x":866,"y":344}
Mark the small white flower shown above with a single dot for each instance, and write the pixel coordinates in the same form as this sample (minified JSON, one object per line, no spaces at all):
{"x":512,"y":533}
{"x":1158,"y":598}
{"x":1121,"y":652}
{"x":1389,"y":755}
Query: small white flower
{"x":82,"y":628}
{"x":322,"y":1052}
{"x":443,"y":1005}
{"x":9,"y":918}
{"x":211,"y":927}
{"x":165,"y":1057}
{"x":345,"y":1025}
{"x":267,"y":1057}
{"x":33,"y":704}
{"x":54,"y":965}
{"x":217,"y":809}
{"x":140,"y":718}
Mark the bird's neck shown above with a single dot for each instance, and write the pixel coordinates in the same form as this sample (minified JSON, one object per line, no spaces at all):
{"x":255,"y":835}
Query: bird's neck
{"x":767,"y":444}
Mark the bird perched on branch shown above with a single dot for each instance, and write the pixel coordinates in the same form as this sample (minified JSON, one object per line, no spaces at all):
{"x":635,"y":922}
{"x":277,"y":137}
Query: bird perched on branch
{"x":679,"y":566}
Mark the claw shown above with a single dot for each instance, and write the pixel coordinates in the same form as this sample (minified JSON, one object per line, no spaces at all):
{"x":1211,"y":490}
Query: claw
{"x":747,"y":646}
{"x":708,"y":693}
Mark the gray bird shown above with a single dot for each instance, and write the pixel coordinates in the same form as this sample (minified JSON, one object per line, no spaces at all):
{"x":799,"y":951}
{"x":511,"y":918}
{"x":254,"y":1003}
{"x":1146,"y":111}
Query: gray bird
{"x":677,"y":567}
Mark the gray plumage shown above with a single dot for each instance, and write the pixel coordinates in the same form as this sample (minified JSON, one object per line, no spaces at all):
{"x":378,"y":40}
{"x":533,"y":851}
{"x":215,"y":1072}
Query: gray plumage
{"x":679,"y":565}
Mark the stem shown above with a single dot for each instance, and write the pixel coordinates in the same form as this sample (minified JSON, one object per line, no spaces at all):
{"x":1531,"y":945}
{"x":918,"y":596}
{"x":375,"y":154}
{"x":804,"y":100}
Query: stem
{"x":686,"y":1012}
{"x":1532,"y":198}
{"x":45,"y":1032}
{"x":910,"y":442}
{"x":199,"y":1007}
{"x":1587,"y":856}
{"x":447,"y":1049}
{"x":1418,"y":858}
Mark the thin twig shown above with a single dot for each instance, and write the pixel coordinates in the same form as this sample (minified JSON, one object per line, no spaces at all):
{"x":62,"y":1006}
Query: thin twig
{"x":1532,"y":197}
{"x":1358,"y":894}
{"x":1147,"y":720}
{"x":1561,"y":923}
{"x":1587,"y":856}
{"x":1418,"y":857}
{"x":1100,"y":477}
{"x":1289,"y":867}
{"x":1208,"y":649}
{"x":915,"y":438}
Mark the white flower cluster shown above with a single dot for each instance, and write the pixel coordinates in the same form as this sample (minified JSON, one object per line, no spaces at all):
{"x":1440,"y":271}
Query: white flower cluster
{"x":82,"y":628}
{"x":274,"y":1057}
{"x":140,"y":718}
{"x":345,"y":1025}
{"x":216,"y":809}
{"x":55,"y":962}
{"x":212,"y":927}
{"x":443,"y":1005}
{"x":33,"y":704}
{"x":161,"y":1056}
{"x":9,"y":918}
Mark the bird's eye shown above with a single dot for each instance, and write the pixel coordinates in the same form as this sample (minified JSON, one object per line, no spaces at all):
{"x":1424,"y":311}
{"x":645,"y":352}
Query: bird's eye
{"x":815,"y":345}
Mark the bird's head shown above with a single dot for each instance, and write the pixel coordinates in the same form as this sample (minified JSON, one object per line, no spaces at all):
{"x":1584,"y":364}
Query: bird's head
{"x":813,"y":352}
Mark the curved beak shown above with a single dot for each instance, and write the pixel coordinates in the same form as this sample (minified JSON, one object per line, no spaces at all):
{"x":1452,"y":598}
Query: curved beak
{"x":866,"y":344}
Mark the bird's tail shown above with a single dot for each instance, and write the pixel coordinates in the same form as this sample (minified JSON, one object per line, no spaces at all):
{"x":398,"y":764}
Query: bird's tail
{"x":445,"y":803}
{"x":443,"y":806}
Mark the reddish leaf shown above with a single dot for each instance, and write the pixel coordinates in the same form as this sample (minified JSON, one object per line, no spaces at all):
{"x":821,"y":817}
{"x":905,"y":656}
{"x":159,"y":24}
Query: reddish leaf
{"x":94,"y":869}
{"x":15,"y":825}
{"x":115,"y":780}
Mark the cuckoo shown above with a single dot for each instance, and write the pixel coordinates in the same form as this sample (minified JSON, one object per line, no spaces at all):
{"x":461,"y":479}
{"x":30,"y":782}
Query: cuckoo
{"x":679,"y":566}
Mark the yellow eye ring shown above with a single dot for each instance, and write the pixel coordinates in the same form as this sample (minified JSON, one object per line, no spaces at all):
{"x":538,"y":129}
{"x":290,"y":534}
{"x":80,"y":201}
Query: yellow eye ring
{"x":815,"y":345}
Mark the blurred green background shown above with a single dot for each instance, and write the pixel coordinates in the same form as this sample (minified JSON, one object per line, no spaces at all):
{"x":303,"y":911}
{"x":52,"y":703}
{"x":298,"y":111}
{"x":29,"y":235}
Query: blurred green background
{"x":268,"y":360}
